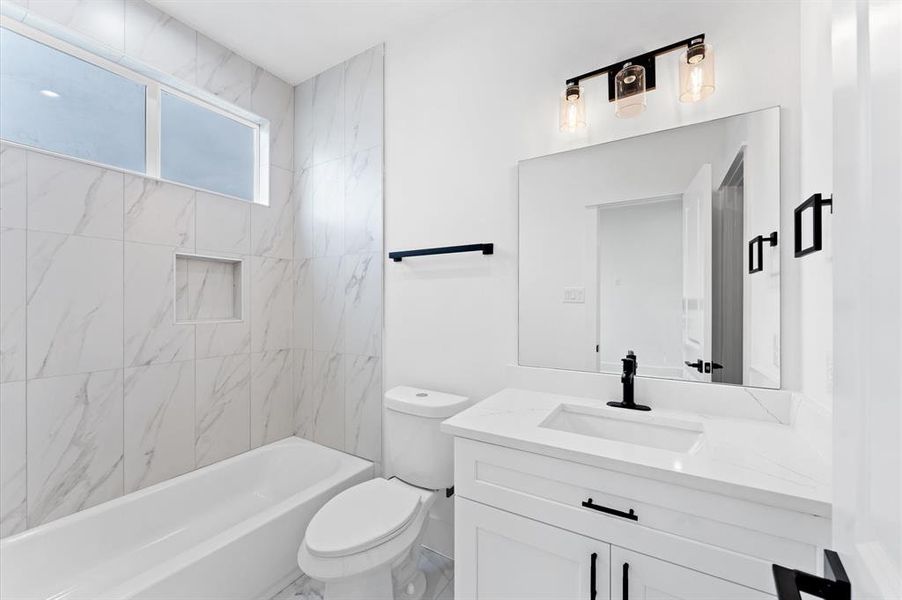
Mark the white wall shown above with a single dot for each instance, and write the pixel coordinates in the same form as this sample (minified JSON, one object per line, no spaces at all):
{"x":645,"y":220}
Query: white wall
{"x":472,"y":94}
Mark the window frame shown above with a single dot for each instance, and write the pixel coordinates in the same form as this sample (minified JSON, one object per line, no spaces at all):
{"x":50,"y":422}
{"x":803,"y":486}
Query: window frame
{"x":155,"y":82}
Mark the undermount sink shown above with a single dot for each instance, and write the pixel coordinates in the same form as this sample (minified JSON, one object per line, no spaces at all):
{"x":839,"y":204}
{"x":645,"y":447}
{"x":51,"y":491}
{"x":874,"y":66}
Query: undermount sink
{"x":642,"y":430}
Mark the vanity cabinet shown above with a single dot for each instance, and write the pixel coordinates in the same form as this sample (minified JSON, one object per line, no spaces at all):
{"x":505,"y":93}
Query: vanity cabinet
{"x":526,"y":525}
{"x":508,"y":556}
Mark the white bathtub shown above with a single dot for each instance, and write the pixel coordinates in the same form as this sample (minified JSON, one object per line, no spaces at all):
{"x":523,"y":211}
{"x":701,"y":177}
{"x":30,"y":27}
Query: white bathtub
{"x":230,"y":530}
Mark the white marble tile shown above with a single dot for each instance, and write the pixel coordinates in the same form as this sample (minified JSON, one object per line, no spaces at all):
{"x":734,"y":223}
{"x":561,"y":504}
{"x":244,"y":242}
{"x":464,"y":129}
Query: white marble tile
{"x":158,"y":213}
{"x":224,"y":73}
{"x":363,"y":100}
{"x":321,"y":407}
{"x":363,"y":406}
{"x":304,"y":124}
{"x":159,"y":423}
{"x":12,"y":304}
{"x":161,"y":41}
{"x":363,"y":201}
{"x":66,"y":196}
{"x":302,"y":588}
{"x":151,"y":333}
{"x":12,"y":458}
{"x":223,"y":394}
{"x":272,"y":225}
{"x":302,"y":389}
{"x":323,"y":189}
{"x":362,"y":280}
{"x":273,"y":99}
{"x":74,"y":304}
{"x":74,"y":443}
{"x":328,"y":115}
{"x":102,"y":20}
{"x":328,"y":304}
{"x":302,"y":204}
{"x":223,"y":224}
{"x":271,"y":292}
{"x":272,"y":408}
{"x":302,"y":316}
{"x":223,"y":339}
{"x":12,"y":186}
{"x":213,"y":290}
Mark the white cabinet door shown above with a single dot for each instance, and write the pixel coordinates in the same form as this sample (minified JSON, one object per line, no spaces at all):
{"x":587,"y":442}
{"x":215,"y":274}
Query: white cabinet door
{"x":503,"y":556}
{"x":636,"y":576}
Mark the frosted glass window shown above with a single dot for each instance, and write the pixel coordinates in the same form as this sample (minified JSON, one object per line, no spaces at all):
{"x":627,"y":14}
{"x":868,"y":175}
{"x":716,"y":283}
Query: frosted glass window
{"x":206,"y":149}
{"x":54,"y":101}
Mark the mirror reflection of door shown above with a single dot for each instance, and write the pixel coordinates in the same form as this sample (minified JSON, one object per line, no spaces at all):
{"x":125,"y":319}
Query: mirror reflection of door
{"x":727,"y":275}
{"x":696,"y":304}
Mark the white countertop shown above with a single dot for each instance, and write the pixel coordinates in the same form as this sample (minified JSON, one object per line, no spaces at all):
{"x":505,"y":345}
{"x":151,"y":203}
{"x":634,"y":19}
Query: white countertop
{"x":759,"y":461}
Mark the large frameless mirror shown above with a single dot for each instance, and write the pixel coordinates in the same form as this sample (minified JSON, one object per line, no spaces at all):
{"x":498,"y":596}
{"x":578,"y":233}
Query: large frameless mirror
{"x":665,"y":244}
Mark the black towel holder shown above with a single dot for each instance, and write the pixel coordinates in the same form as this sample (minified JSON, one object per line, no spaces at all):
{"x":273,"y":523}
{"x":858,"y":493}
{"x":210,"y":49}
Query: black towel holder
{"x":815,"y":202}
{"x":398,"y":255}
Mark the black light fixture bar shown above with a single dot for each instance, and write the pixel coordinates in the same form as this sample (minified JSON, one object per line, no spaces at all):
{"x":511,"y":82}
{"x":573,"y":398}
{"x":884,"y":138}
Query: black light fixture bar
{"x":646,"y":60}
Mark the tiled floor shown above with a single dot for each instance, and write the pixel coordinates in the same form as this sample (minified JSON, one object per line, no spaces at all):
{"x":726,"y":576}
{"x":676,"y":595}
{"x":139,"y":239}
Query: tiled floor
{"x":439,"y":581}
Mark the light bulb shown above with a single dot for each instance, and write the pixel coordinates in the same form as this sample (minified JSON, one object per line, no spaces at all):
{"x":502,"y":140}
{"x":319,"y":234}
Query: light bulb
{"x":573,"y":109}
{"x":696,"y":72}
{"x":629,"y":91}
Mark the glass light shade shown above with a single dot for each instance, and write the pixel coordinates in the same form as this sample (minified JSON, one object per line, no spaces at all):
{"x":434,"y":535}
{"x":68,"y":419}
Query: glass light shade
{"x":629,"y":91}
{"x":573,"y":109}
{"x":696,"y":73}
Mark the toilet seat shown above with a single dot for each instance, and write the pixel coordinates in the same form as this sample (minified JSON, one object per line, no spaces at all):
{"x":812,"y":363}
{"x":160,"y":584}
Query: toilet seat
{"x":363,"y":517}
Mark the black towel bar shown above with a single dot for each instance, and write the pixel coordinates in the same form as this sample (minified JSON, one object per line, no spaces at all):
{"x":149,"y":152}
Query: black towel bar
{"x":400,"y":254}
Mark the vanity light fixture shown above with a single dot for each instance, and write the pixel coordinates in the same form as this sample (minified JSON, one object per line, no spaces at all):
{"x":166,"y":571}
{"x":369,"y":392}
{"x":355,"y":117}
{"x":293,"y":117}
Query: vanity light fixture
{"x":630,"y":79}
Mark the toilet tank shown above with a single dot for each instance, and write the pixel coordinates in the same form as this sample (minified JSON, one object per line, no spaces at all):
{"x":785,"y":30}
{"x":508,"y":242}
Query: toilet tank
{"x":416,"y":451}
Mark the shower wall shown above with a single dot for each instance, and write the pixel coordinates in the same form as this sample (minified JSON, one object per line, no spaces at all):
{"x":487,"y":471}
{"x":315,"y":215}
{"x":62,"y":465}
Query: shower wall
{"x":338,"y":255}
{"x":102,"y":391}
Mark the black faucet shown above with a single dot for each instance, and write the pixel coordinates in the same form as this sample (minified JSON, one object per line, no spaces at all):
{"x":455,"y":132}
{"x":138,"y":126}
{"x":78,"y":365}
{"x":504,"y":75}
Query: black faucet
{"x":630,"y":365}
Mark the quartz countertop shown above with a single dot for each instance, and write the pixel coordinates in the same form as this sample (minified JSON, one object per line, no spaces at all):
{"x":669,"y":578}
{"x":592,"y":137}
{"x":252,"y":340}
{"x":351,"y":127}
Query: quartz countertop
{"x":759,"y":461}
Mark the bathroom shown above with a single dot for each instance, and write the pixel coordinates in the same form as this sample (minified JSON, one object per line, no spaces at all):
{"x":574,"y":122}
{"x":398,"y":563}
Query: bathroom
{"x":450,"y":299}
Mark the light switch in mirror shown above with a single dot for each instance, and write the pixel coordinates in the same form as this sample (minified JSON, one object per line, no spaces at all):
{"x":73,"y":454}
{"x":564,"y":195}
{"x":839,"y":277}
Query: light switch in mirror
{"x":671,"y":239}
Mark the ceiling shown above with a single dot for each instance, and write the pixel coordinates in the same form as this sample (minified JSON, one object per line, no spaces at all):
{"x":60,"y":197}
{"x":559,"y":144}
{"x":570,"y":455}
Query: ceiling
{"x":297,"y":39}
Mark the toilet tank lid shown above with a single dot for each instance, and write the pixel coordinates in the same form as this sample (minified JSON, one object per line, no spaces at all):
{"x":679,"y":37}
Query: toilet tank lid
{"x":424,"y":403}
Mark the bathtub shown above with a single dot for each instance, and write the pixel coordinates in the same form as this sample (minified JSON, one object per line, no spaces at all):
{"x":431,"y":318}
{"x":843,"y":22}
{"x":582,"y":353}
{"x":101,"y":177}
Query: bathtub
{"x":230,"y":530}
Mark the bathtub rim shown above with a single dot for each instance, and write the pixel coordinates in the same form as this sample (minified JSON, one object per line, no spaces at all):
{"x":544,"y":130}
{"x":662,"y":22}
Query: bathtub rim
{"x":350,"y":468}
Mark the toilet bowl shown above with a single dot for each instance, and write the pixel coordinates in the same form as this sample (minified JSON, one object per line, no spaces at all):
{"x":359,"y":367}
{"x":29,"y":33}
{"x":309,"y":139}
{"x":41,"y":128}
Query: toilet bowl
{"x":364,"y":543}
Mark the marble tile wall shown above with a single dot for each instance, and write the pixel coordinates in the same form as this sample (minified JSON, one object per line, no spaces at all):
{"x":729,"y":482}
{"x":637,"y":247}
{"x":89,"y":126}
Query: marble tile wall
{"x":101,"y":391}
{"x":338,"y":256}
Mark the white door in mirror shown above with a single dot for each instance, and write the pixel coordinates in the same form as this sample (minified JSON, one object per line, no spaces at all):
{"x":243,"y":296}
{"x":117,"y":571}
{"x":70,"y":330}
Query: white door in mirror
{"x":697,"y":275}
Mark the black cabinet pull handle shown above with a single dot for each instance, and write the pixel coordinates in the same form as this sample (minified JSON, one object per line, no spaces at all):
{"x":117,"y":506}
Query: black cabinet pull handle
{"x":592,"y":578}
{"x":626,"y":581}
{"x":611,"y":511}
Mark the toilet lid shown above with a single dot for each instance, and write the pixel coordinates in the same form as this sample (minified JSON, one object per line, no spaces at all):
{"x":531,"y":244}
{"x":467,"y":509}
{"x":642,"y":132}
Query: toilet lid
{"x":362,"y":517}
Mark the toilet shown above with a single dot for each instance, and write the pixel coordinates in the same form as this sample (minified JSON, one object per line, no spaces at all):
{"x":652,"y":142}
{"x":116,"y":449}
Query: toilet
{"x":363,"y":543}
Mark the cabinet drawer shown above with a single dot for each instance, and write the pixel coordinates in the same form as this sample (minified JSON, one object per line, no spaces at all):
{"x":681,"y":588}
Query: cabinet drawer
{"x":730,"y":538}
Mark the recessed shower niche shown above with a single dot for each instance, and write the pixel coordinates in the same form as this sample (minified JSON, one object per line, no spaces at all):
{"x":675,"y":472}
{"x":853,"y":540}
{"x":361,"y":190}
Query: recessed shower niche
{"x":208,"y":288}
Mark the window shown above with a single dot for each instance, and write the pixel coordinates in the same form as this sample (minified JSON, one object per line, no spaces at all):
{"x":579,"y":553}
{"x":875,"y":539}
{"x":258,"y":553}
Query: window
{"x":68,"y":100}
{"x":205,"y":149}
{"x":57,"y":102}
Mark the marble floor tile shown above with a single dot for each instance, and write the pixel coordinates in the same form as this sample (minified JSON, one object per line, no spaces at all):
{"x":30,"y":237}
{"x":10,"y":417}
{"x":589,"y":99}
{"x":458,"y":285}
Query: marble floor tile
{"x":438,"y":569}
